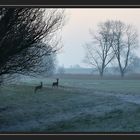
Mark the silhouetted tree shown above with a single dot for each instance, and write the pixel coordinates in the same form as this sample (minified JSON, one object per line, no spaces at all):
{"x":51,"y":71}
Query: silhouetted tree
{"x":114,"y":39}
{"x":27,"y":36}
{"x":99,"y":52}
{"x":125,"y":41}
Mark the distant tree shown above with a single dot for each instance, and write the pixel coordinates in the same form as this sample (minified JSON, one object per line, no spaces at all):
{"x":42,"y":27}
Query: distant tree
{"x":77,"y":66}
{"x":125,"y":41}
{"x":99,"y":53}
{"x":134,"y":65}
{"x":27,"y":36}
{"x":61,"y":70}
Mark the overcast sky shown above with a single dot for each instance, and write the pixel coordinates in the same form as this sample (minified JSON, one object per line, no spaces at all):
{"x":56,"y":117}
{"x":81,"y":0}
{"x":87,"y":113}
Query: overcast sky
{"x":76,"y":31}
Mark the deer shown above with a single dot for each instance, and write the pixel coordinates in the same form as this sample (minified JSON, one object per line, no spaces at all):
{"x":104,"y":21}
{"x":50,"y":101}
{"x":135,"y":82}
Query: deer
{"x":38,"y":87}
{"x":55,"y":83}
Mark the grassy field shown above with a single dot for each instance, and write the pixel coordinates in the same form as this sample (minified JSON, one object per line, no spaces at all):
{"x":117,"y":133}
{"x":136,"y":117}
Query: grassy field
{"x":78,"y":105}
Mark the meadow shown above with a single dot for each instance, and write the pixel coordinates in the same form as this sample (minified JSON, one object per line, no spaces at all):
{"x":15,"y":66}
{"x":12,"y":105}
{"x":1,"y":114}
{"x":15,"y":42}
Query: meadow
{"x":79,"y":104}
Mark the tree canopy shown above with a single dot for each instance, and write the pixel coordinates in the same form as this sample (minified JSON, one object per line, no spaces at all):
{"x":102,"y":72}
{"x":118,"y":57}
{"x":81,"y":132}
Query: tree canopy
{"x":27,"y":35}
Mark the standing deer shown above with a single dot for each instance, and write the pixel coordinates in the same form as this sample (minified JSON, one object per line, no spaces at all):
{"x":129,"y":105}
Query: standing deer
{"x":55,"y":83}
{"x":38,"y":87}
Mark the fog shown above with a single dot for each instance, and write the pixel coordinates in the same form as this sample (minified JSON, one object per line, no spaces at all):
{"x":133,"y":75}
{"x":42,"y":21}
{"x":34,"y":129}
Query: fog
{"x":76,"y":31}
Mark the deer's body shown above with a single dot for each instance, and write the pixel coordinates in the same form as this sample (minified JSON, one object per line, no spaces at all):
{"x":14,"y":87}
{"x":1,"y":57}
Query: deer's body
{"x":55,"y":83}
{"x":38,"y":87}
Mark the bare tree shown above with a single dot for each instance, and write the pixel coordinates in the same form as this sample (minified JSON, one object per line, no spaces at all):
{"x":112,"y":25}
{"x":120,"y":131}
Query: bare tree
{"x":27,"y":36}
{"x":125,"y":40}
{"x":99,"y":53}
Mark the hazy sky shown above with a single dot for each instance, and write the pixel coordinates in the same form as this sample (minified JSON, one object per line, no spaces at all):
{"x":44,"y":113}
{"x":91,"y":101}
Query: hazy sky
{"x":76,"y":31}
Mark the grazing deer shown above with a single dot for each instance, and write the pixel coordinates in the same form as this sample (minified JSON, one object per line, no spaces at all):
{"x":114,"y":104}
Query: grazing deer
{"x":55,"y":83}
{"x":38,"y":87}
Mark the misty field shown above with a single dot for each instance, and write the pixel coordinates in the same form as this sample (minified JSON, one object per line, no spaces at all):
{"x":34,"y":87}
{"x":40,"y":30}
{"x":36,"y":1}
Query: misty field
{"x":78,"y":105}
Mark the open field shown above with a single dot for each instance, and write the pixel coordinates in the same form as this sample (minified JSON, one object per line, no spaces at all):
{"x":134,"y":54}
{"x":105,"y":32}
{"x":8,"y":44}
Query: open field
{"x":78,"y":105}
